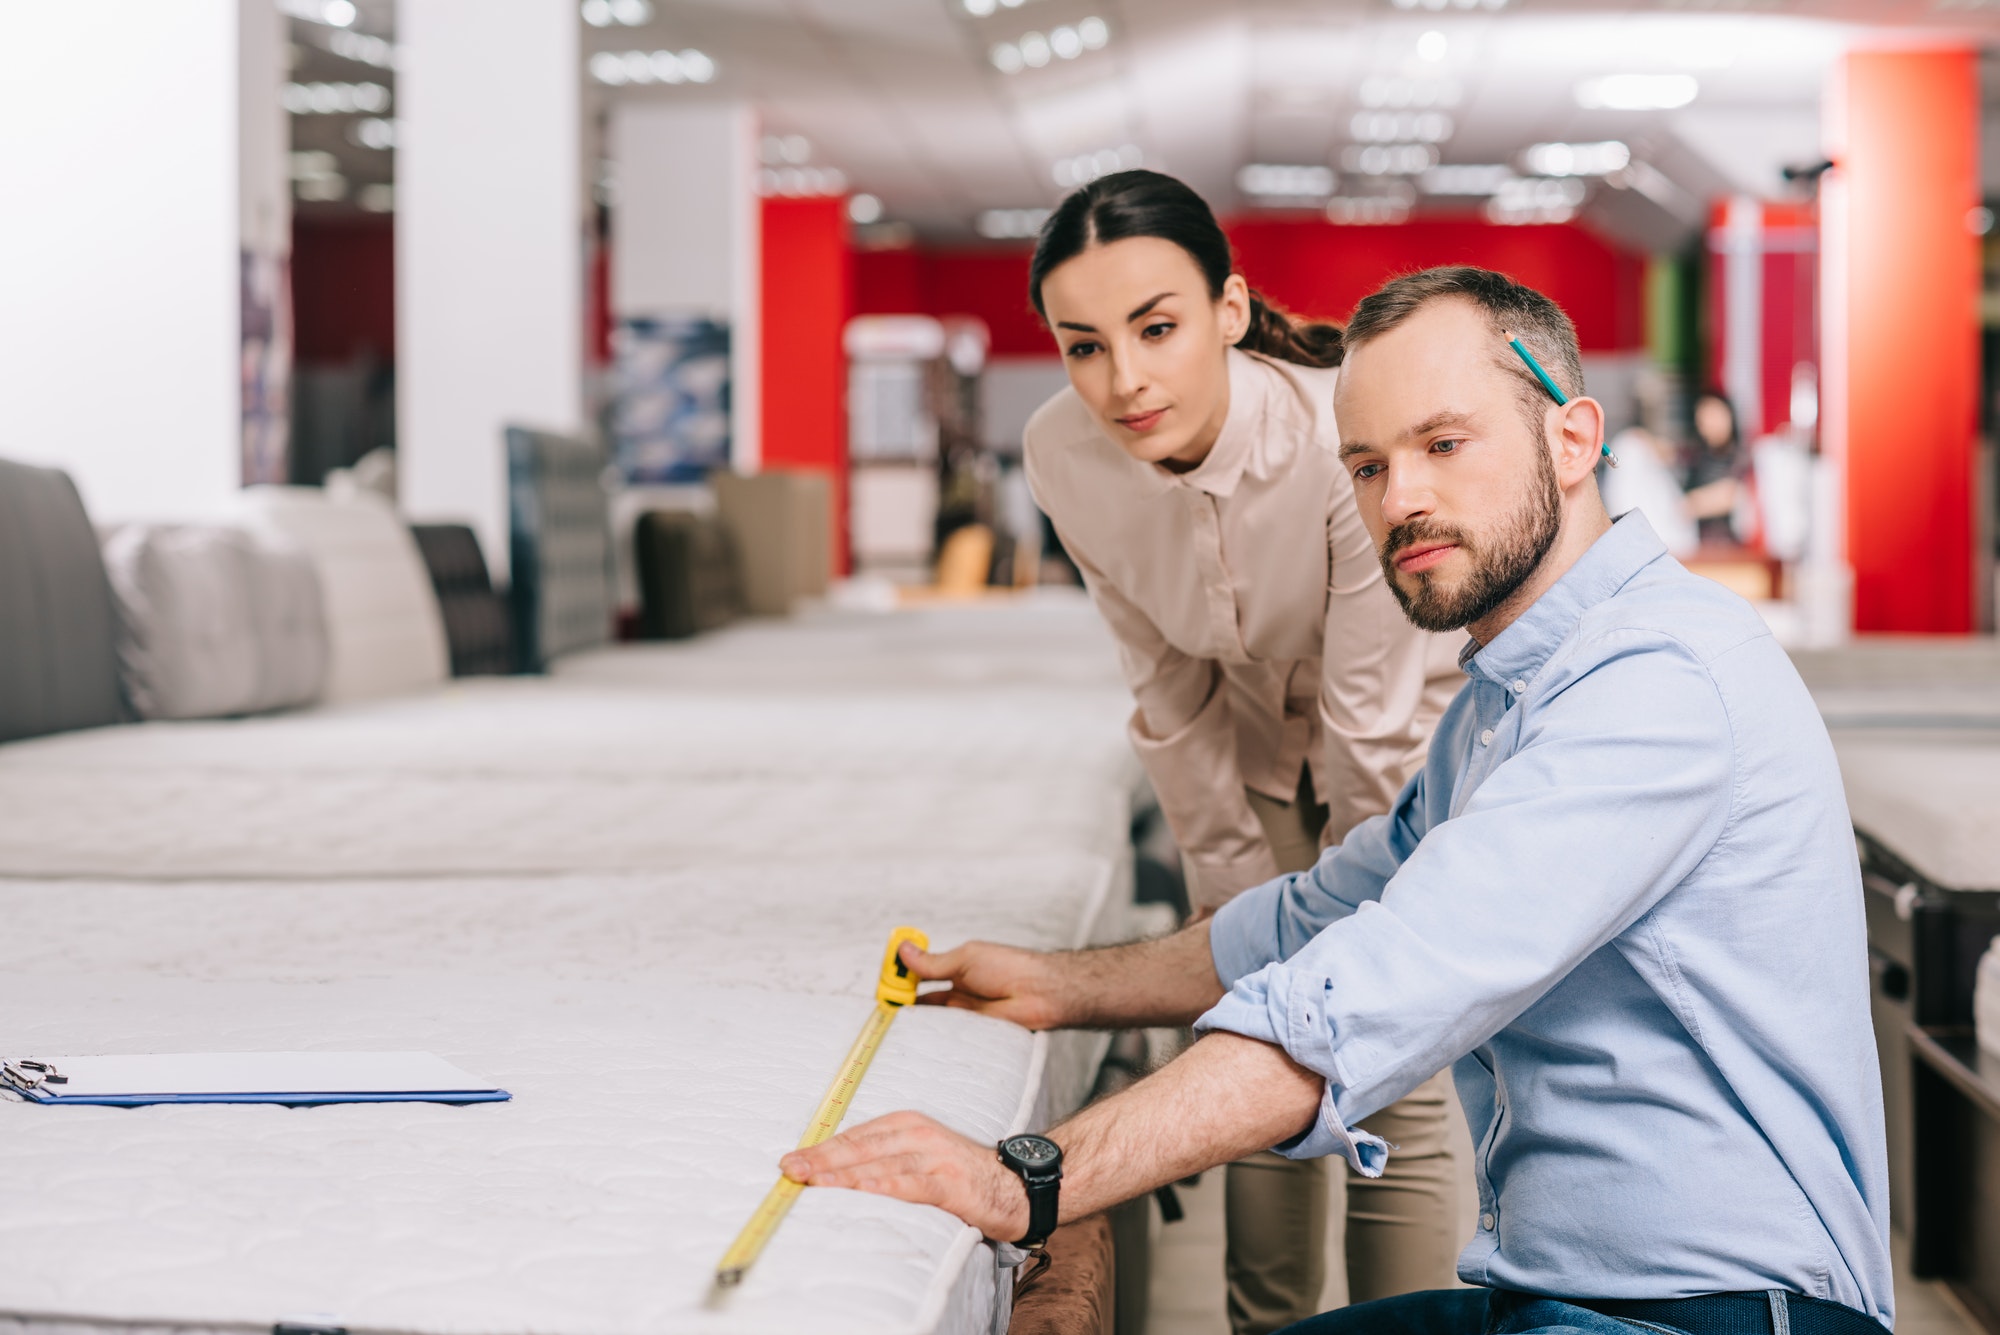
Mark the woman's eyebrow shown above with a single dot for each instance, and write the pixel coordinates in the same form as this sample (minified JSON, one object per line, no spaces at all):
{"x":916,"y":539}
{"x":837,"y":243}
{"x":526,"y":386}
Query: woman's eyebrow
{"x":1139,"y":311}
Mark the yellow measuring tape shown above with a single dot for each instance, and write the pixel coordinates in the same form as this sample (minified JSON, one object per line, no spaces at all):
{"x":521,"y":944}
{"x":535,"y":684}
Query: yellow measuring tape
{"x":895,"y":989}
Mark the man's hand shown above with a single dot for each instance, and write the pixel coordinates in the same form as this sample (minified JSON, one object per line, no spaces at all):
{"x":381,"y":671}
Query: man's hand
{"x":1002,"y":981}
{"x":911,"y":1157}
{"x":1169,"y":981}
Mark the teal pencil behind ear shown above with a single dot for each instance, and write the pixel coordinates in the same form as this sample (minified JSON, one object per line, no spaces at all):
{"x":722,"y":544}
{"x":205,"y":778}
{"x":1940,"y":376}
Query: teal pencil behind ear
{"x":1555,"y":390}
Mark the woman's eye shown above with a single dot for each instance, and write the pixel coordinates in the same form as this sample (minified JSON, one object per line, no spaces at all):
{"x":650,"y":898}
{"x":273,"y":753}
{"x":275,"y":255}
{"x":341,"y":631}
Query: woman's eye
{"x":1080,"y":349}
{"x":1366,"y":471}
{"x":1160,"y":330}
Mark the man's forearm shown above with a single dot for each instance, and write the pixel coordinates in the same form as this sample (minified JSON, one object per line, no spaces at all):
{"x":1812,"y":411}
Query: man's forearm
{"x":1225,"y":1097}
{"x":1168,"y":981}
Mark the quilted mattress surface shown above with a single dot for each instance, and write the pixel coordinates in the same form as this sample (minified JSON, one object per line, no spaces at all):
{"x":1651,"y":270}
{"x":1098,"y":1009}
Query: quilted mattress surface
{"x":664,"y":1037}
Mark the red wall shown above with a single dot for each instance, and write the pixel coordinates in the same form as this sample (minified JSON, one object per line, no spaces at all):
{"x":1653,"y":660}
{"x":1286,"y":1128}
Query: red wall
{"x":344,"y":288}
{"x":1310,"y":267}
{"x":1907,"y":333}
{"x":807,"y":296}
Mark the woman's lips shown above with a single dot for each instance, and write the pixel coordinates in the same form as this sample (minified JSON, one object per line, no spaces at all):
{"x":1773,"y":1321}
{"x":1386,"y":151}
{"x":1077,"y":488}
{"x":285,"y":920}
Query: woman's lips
{"x":1422,"y":556}
{"x":1142,"y":422}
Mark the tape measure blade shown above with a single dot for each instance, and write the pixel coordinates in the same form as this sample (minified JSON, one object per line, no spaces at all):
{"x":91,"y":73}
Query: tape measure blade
{"x":749,"y":1244}
{"x":840,"y":1094}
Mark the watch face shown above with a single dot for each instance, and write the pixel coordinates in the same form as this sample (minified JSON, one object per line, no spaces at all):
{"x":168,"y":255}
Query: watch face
{"x":1033,"y":1150}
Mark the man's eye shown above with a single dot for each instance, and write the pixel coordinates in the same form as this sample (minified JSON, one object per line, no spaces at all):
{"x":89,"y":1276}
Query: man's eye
{"x":1366,"y":471}
{"x":1445,"y":446}
{"x":1080,"y":349}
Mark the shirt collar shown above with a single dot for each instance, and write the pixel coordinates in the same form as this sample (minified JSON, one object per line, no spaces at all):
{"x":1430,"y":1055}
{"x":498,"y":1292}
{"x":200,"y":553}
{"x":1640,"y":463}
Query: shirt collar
{"x":1242,"y":428}
{"x":1519,"y":651}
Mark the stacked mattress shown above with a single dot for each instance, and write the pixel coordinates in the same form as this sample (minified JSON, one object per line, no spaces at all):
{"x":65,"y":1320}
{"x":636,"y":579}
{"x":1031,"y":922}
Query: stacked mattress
{"x":647,"y":895}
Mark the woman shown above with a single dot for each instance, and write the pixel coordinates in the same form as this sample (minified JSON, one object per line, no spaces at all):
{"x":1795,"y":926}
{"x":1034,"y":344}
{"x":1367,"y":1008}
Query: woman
{"x":1716,"y":468}
{"x":1191,"y":472}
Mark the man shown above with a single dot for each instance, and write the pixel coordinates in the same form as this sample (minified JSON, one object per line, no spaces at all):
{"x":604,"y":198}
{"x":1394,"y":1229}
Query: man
{"x":1621,"y":896}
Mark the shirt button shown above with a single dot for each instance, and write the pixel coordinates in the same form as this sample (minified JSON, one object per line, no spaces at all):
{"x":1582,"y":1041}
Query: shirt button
{"x":1517,"y":686}
{"x":1486,"y":738}
{"x":1486,"y":1222}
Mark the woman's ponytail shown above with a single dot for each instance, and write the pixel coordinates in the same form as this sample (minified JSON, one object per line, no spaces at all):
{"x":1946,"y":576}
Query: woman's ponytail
{"x":1277,"y":335}
{"x":1146,"y":203}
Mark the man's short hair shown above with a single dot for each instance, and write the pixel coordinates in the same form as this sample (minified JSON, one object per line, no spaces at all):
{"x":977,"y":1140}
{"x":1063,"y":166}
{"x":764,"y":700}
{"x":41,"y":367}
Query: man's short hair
{"x":1509,"y":306}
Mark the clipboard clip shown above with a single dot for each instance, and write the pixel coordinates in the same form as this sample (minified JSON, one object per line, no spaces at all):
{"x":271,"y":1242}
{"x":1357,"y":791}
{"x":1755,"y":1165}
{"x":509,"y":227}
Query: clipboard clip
{"x":28,"y":1075}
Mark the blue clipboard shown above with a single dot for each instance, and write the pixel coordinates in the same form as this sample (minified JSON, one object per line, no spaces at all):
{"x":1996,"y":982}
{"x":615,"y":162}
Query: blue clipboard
{"x":291,"y":1079}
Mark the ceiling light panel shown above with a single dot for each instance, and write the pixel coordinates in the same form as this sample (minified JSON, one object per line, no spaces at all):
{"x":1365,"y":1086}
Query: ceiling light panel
{"x":617,"y":13}
{"x":618,"y":68}
{"x":335,"y":99}
{"x":1087,"y":167}
{"x":801,"y":182}
{"x":1010,"y":224}
{"x":1397,"y":94}
{"x":1637,"y":92}
{"x":1286,"y":181}
{"x":1034,"y":50}
{"x":1600,"y":159}
{"x":1439,"y":6}
{"x":1466,"y":178}
{"x":1388,"y":159}
{"x":1534,"y":200}
{"x":1400,"y":127}
{"x":332,"y":13}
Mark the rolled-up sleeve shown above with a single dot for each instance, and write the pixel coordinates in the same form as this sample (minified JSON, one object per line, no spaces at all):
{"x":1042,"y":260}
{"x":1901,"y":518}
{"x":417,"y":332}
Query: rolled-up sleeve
{"x":1617,"y":787}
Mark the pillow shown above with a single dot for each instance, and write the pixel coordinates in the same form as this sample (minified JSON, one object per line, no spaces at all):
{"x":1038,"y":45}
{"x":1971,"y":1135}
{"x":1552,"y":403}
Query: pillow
{"x":58,"y":650}
{"x":384,"y":633}
{"x":214,"y":621}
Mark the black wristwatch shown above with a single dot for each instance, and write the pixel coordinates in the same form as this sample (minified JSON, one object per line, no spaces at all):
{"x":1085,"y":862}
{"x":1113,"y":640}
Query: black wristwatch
{"x":1037,"y":1160}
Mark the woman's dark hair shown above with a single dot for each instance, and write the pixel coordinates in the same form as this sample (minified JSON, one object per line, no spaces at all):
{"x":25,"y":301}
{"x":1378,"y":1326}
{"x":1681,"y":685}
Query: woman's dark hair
{"x":1143,"y":203}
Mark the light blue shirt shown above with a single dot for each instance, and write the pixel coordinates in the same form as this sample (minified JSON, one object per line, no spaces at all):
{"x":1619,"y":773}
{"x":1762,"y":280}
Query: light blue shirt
{"x":1622,"y":897}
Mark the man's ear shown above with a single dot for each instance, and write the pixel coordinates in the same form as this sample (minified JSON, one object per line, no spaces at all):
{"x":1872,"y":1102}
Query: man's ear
{"x":1579,"y":440}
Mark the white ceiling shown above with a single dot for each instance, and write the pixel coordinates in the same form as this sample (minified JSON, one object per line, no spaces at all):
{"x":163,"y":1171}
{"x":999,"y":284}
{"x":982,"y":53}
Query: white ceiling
{"x":901,"y":96}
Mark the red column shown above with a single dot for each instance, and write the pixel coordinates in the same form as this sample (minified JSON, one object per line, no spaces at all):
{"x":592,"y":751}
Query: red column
{"x":1901,"y":288}
{"x":805,"y":307}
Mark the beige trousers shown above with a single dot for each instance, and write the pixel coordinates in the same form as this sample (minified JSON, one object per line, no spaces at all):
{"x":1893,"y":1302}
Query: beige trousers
{"x":1401,"y":1230}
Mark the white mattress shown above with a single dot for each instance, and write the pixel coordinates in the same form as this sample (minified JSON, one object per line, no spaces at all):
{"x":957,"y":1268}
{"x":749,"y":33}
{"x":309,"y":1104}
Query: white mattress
{"x":535,"y":727}
{"x":1931,"y":797}
{"x":653,"y":907}
{"x":665,"y":1037}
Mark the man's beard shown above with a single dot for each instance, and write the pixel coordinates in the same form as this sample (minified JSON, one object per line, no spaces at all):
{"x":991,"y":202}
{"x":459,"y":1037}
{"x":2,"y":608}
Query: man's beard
{"x":1500,"y":565}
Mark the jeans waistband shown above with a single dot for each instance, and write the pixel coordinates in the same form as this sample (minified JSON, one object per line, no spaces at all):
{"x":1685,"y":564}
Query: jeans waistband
{"x":1775,"y":1312}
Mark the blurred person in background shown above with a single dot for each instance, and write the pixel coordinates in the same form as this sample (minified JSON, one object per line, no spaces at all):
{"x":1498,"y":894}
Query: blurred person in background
{"x":1648,"y":475}
{"x":1716,"y":467}
{"x":1191,"y":471}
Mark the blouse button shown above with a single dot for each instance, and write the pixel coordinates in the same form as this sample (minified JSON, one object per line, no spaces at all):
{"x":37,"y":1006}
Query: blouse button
{"x":1486,"y":738}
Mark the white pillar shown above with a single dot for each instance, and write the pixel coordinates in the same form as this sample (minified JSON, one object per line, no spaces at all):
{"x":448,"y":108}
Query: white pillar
{"x":489,"y":248}
{"x":121,"y":258}
{"x":686,"y":234}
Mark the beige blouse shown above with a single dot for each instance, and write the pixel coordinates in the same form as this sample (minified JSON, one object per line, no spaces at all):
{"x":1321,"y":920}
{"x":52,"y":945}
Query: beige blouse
{"x":1251,"y":612}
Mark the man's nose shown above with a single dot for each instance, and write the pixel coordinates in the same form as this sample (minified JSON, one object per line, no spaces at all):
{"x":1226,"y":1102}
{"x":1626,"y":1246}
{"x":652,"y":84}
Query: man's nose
{"x":1407,"y":496}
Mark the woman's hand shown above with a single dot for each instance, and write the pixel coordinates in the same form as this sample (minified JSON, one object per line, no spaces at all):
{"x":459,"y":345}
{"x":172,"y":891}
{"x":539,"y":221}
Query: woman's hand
{"x":1007,"y":982}
{"x":912,"y":1158}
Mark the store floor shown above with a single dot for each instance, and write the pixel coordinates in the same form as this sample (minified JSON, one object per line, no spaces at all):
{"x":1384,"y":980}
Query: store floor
{"x":1187,"y":1296}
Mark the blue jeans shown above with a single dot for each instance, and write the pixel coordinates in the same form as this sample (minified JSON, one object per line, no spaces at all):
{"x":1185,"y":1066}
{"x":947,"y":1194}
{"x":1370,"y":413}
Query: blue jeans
{"x":1466,"y":1312}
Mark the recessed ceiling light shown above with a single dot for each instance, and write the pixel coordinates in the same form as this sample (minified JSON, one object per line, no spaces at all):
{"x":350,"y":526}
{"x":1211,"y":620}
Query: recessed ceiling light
{"x":341,"y":13}
{"x":1600,"y":159}
{"x":374,"y":132}
{"x":1466,"y":178}
{"x":1033,"y":50}
{"x":1432,"y":46}
{"x":1637,"y":92}
{"x":1277,"y":180}
{"x":643,"y":67}
{"x":979,"y":9}
{"x":1087,"y":167}
{"x":1389,"y":159}
{"x":1536,"y":200}
{"x":1010,"y":224}
{"x":864,"y":209}
{"x":377,"y":197}
{"x":597,"y":13}
{"x":1400,"y":127}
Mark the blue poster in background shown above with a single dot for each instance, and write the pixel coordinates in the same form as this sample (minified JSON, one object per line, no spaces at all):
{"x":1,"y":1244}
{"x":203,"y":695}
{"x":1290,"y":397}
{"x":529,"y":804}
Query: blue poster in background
{"x":670,"y":398}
